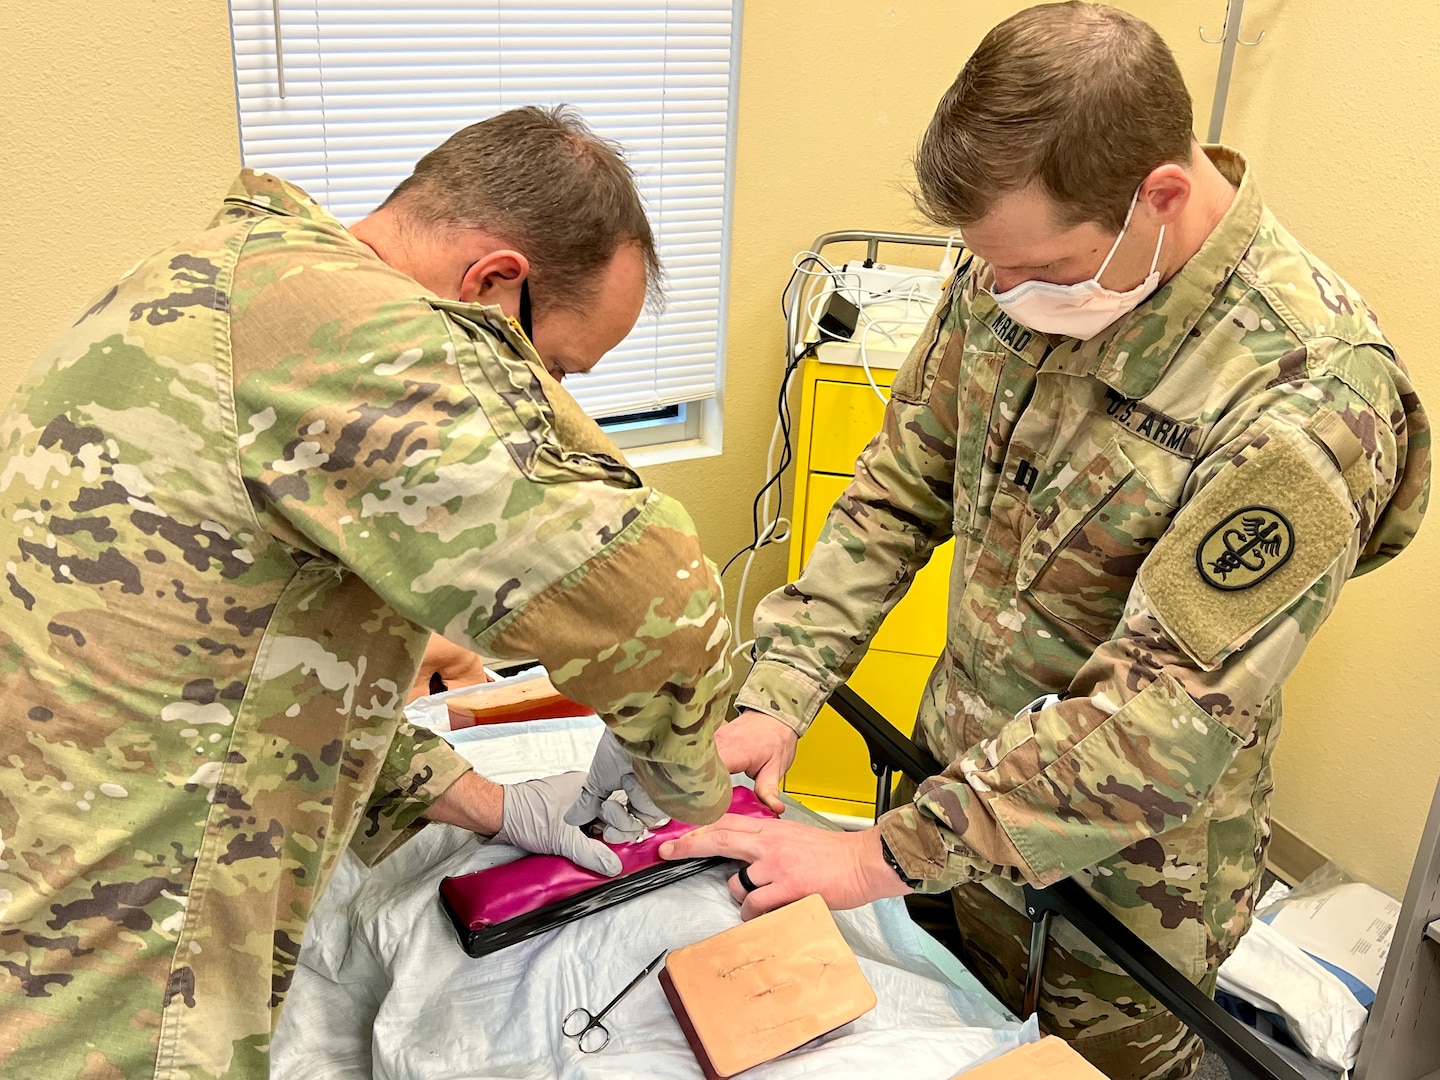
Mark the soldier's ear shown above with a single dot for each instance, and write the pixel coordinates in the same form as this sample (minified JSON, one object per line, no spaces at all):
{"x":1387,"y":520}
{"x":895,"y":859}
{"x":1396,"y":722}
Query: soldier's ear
{"x":495,"y":278}
{"x":1166,"y":192}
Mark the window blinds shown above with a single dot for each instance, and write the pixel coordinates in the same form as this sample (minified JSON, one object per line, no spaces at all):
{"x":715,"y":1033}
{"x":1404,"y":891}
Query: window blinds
{"x":372,"y":85}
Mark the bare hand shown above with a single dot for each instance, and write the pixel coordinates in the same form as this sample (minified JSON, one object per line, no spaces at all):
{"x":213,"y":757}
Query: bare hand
{"x":456,"y":666}
{"x":762,"y":748}
{"x":788,"y":860}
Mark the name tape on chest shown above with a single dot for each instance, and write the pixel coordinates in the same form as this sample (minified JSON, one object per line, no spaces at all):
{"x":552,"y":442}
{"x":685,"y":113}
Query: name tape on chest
{"x":1153,"y":425}
{"x":1010,"y":333}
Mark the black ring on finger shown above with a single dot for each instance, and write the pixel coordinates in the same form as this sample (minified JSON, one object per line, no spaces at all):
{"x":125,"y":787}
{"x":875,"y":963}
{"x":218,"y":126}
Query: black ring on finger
{"x":745,"y":882}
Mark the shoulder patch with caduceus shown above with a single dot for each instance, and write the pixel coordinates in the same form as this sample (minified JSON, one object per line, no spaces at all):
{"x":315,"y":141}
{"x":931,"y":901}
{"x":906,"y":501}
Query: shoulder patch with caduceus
{"x":1245,"y":548}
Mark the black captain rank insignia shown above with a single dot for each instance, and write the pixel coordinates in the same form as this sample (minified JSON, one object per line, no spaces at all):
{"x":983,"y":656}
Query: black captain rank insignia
{"x":1245,"y":548}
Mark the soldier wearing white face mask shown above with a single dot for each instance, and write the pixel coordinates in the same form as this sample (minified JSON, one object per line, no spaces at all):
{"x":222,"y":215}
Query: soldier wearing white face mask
{"x":1163,"y":436}
{"x":1084,"y":309}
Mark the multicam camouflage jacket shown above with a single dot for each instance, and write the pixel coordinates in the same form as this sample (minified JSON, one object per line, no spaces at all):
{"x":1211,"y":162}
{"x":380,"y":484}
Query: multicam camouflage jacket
{"x":234,"y":498}
{"x":1150,"y":525}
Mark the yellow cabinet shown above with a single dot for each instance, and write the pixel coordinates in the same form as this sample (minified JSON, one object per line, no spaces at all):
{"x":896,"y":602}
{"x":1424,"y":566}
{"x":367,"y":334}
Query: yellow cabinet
{"x":832,"y":768}
{"x":839,"y":415}
{"x":917,"y":623}
{"x":845,"y":418}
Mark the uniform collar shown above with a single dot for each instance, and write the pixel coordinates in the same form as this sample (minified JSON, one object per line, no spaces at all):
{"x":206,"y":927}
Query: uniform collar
{"x":1132,"y":356}
{"x":271,"y":195}
{"x":1030,"y":345}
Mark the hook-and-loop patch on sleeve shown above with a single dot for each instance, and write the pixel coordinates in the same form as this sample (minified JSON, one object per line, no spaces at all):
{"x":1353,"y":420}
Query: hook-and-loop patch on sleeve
{"x":1259,"y":535}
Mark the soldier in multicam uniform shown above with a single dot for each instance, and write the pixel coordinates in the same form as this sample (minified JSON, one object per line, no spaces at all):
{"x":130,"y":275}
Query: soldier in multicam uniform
{"x":235,"y":498}
{"x":1157,"y":484}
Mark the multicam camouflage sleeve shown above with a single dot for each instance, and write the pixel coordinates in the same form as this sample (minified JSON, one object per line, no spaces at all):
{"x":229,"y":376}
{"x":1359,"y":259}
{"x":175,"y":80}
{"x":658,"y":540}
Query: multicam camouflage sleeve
{"x":417,"y":769}
{"x":811,"y":634}
{"x":598,"y":576}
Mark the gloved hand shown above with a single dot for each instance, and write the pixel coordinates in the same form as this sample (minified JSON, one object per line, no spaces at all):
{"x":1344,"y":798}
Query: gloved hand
{"x":610,"y":771}
{"x":534,"y":818}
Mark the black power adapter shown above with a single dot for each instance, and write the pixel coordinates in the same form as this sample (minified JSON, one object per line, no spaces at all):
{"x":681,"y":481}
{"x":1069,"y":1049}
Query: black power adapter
{"x":838,"y":321}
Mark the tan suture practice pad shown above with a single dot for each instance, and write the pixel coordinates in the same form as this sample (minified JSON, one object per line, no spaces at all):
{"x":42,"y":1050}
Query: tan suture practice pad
{"x":1048,"y":1059}
{"x":763,"y":988}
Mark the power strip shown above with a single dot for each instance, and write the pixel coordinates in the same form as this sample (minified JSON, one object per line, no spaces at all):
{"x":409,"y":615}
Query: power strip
{"x":894,"y":302}
{"x":879,"y":283}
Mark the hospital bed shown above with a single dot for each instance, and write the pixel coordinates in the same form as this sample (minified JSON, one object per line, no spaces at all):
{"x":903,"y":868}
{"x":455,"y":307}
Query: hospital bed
{"x":383,"y":988}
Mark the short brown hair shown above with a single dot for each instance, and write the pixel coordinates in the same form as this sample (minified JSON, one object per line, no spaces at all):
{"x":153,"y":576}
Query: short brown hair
{"x":1082,"y":99}
{"x":541,"y":180}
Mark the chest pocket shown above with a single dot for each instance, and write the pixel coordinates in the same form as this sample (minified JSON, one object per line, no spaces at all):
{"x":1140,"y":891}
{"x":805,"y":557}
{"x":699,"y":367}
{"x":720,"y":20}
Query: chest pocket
{"x":1084,"y":552}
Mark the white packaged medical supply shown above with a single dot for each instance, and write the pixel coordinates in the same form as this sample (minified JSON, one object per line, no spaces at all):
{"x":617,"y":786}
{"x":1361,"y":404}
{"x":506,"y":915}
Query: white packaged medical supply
{"x":1314,"y":956}
{"x":1347,"y":926}
{"x":1275,"y":975}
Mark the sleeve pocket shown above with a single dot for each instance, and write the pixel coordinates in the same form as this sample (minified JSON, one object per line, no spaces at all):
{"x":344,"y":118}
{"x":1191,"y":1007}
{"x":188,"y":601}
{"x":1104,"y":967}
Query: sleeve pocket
{"x":1250,"y":544}
{"x":550,"y":439}
{"x":1143,"y":771}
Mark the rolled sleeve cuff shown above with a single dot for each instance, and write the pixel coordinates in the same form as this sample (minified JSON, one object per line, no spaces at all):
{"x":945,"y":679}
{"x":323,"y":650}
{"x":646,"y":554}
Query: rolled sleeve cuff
{"x":418,"y":771}
{"x":920,"y":846}
{"x":779,"y":690}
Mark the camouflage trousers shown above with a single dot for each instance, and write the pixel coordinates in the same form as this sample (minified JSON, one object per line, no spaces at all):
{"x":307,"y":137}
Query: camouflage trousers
{"x":1100,"y":1011}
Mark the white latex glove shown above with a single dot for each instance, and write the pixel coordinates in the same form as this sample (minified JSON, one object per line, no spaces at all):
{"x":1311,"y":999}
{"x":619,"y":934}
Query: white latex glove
{"x":610,"y":771}
{"x":534,"y":818}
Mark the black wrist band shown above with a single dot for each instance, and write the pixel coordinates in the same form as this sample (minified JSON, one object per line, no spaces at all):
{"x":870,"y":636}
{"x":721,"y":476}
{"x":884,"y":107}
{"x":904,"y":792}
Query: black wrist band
{"x":894,"y":863}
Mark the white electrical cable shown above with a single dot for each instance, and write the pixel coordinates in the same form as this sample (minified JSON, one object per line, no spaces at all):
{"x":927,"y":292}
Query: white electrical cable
{"x":777,"y":529}
{"x":885,"y":326}
{"x":811,"y":256}
{"x":769,"y":533}
{"x":947,"y":266}
{"x":865,"y":359}
{"x":745,"y":579}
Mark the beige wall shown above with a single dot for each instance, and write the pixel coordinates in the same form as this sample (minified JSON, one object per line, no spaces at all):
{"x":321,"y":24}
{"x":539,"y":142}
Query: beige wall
{"x":119,"y":132}
{"x":1339,"y":109}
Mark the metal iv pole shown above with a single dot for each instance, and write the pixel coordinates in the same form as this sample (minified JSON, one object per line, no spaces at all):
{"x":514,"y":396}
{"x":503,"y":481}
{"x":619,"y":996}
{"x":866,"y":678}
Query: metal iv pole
{"x":1229,"y":38}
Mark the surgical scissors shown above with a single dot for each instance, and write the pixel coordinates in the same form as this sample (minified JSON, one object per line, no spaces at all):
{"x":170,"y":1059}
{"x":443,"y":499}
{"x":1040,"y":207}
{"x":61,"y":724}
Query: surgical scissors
{"x":580,"y":1023}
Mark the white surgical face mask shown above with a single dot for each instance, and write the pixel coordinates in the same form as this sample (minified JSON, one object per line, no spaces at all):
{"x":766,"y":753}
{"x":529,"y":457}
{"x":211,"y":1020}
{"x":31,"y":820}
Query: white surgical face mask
{"x":1084,"y":309}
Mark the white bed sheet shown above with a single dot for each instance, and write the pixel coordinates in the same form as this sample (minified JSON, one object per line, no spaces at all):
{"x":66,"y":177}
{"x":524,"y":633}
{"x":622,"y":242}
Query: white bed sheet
{"x":384,"y":990}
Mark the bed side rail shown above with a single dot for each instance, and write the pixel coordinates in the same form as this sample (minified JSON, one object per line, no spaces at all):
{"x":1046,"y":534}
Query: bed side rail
{"x":1244,"y":1054}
